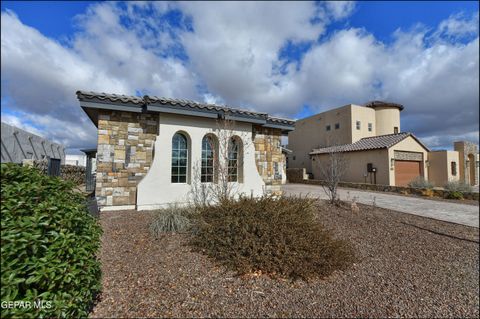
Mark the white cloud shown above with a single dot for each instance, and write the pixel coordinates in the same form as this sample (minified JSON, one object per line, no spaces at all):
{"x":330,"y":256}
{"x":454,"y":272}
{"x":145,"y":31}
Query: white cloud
{"x":340,"y":9}
{"x":233,"y":57}
{"x":41,"y":76}
{"x":458,"y":25}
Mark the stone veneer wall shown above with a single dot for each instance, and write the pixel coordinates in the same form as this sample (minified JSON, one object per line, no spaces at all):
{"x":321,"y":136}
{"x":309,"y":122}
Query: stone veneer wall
{"x":267,"y":153}
{"x":465,"y":148}
{"x":124,"y":155}
{"x":296,"y":175}
{"x":75,"y":174}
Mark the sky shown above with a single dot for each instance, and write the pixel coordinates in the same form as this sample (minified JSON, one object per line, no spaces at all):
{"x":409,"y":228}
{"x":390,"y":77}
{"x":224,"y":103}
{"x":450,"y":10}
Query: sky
{"x":290,"y":59}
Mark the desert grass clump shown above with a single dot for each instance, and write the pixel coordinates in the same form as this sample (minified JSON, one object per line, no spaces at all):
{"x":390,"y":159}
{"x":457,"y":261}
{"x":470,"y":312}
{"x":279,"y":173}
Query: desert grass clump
{"x":280,"y":237}
{"x":172,"y":219}
{"x":457,"y":186}
{"x":420,"y":182}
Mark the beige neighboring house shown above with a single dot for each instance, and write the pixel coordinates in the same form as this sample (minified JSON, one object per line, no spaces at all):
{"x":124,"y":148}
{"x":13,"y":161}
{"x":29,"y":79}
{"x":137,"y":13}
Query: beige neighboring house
{"x":377,"y":152}
{"x":391,"y":159}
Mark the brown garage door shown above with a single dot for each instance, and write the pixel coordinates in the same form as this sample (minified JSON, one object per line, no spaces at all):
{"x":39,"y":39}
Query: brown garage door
{"x":405,"y":171}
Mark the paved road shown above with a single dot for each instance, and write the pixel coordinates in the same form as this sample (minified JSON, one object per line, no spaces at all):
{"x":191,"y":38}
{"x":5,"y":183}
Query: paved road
{"x":446,"y":211}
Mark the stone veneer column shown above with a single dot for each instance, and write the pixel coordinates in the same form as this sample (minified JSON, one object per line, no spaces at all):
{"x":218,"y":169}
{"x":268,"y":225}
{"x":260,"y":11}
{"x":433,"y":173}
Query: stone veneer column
{"x":268,"y":154}
{"x":465,"y":148}
{"x":124,"y":155}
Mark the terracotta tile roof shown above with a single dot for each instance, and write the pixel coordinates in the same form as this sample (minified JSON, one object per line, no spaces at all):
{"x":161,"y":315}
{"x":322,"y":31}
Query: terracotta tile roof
{"x":197,"y":105}
{"x":180,"y":103}
{"x":114,"y":98}
{"x":368,"y":143}
{"x":374,"y":104}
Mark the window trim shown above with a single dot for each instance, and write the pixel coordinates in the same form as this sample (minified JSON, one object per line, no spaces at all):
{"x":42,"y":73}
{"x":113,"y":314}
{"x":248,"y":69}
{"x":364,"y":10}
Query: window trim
{"x":213,"y":145}
{"x":179,"y":158}
{"x":230,"y":158}
{"x":239,"y":160}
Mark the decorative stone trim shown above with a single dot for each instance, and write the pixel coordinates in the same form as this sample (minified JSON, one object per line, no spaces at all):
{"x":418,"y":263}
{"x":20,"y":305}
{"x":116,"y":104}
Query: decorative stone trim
{"x":124,"y":154}
{"x":408,"y":156}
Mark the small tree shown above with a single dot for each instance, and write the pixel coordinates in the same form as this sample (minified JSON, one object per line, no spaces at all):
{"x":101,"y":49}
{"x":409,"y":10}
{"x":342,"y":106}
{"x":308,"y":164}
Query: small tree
{"x":332,"y":170}
{"x":222,"y":188}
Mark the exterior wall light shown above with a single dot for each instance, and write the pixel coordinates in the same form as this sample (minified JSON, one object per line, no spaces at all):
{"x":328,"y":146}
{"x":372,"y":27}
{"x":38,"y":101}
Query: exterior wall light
{"x":427,"y":163}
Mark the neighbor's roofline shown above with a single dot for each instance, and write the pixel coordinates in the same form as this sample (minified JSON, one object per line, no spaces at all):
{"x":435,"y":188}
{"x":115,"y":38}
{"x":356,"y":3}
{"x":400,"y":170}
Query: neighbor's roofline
{"x":337,"y":148}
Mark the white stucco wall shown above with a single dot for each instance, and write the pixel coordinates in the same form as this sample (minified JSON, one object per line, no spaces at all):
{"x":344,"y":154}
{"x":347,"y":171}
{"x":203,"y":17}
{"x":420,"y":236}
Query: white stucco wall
{"x":155,"y":190}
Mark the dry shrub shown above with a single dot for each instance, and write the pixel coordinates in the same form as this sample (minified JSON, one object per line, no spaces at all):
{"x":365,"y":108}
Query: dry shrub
{"x":427,"y":192}
{"x":280,"y":237}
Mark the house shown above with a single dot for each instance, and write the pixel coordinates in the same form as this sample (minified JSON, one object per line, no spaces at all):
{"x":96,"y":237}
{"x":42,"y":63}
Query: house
{"x":461,"y":164}
{"x":19,"y":145}
{"x":153,"y":151}
{"x":76,"y":159}
{"x":370,"y":139}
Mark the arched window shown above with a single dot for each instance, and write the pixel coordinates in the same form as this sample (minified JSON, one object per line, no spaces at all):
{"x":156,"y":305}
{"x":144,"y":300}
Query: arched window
{"x":234,"y":160}
{"x":208,"y":155}
{"x":179,"y":158}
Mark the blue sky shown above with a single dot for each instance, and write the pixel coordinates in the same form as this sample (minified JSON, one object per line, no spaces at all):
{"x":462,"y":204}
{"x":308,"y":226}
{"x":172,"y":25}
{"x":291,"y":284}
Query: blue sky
{"x":288,"y":59}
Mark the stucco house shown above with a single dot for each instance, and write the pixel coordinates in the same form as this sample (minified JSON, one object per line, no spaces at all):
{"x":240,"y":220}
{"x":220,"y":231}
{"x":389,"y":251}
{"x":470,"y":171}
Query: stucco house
{"x":461,"y":164}
{"x":151,"y":150}
{"x":370,"y":138}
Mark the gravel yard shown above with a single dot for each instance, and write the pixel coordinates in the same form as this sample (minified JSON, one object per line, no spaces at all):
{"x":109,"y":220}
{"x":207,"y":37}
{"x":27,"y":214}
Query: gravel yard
{"x":407,"y":266}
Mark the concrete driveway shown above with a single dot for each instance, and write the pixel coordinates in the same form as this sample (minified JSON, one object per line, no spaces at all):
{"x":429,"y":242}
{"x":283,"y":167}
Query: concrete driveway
{"x":446,"y":211}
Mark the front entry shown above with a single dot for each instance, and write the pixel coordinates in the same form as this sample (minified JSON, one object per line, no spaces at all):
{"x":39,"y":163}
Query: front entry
{"x":406,"y":171}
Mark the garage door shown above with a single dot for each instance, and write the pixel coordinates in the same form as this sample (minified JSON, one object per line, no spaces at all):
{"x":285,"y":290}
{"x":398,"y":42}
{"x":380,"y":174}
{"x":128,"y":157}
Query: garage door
{"x":405,"y":171}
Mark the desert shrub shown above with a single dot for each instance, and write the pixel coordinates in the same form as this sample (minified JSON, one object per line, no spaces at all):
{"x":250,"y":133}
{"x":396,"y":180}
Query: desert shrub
{"x":457,"y":186}
{"x":420,"y":182}
{"x":280,"y":237}
{"x":49,"y":245}
{"x":171,"y":219}
{"x":454,"y":195}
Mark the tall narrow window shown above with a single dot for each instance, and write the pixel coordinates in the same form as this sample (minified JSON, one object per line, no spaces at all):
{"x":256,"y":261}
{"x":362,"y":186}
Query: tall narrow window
{"x":370,"y":127}
{"x":207,"y":159}
{"x":395,"y":130}
{"x":328,"y":127}
{"x":453,"y":166}
{"x":233,"y":150}
{"x":358,"y":124}
{"x":179,"y":158}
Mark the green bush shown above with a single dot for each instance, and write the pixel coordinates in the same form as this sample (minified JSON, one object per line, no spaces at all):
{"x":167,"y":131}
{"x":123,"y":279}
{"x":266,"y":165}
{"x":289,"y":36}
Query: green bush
{"x":171,"y":219}
{"x":280,"y":237}
{"x":458,"y":186}
{"x":454,"y":195}
{"x":420,"y":182}
{"x":49,"y":246}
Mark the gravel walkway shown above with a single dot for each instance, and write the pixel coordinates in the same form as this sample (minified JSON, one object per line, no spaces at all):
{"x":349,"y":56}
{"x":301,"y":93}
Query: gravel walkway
{"x":408,"y":266}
